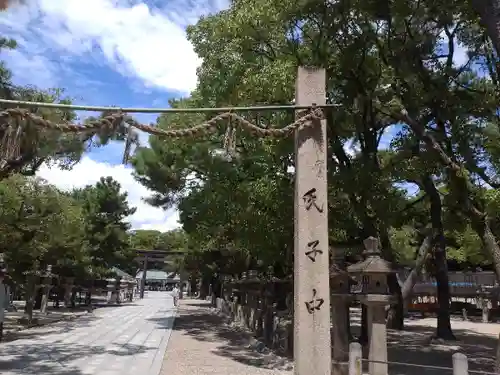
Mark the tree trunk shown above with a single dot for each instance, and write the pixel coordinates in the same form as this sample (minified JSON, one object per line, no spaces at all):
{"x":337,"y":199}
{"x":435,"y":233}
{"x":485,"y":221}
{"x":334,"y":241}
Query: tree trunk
{"x":30,"y":295}
{"x":489,"y":12}
{"x":481,"y":226}
{"x":395,"y":317}
{"x":193,"y":287}
{"x":411,"y":280}
{"x":88,"y":297}
{"x":459,"y":184}
{"x":38,"y":298}
{"x":441,"y":267}
{"x":73,"y":298}
{"x":204,"y":287}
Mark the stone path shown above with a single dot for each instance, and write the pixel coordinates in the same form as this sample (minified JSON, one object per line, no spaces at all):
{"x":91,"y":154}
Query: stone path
{"x":203,"y":344}
{"x":12,"y":325}
{"x":126,"y":340}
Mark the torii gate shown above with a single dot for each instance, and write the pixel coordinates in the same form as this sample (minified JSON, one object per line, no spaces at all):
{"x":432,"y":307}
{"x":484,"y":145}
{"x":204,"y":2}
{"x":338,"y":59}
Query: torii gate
{"x":146,"y":255}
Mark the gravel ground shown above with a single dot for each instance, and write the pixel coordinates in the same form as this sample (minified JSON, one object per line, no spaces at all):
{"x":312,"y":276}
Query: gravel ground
{"x":201,"y":343}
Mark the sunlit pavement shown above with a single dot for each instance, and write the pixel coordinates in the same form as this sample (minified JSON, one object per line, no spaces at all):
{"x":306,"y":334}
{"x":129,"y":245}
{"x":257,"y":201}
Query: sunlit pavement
{"x":129,"y":339}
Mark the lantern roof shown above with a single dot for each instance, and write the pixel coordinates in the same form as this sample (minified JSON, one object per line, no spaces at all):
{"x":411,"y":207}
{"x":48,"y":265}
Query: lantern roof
{"x":373,"y":262}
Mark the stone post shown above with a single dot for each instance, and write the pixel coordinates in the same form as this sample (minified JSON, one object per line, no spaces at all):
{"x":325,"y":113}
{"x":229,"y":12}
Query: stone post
{"x":123,"y":289}
{"x":312,"y":345}
{"x":181,"y":285}
{"x":47,"y":286}
{"x":118,"y":290}
{"x":355,"y":358}
{"x":111,"y":290}
{"x":377,"y":335}
{"x":68,"y":289}
{"x":460,"y":364}
{"x":144,"y":273}
{"x":131,"y":285}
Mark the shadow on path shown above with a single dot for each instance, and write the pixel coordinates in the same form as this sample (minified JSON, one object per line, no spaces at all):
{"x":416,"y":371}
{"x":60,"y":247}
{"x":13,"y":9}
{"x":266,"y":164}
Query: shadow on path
{"x":196,"y":319}
{"x":60,"y":325}
{"x":413,"y":349}
{"x":57,"y":359}
{"x":412,"y":346}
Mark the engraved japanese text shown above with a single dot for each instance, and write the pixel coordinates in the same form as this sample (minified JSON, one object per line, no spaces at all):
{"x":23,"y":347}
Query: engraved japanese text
{"x":311,"y":254}
{"x":310,"y":200}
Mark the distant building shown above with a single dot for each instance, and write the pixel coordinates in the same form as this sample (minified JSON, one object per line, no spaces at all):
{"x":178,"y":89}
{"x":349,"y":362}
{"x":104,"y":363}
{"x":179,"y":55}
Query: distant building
{"x":158,"y":279}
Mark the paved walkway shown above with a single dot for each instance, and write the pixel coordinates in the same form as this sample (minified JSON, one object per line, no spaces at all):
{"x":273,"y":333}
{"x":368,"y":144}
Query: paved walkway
{"x":126,"y":340}
{"x":202,"y":344}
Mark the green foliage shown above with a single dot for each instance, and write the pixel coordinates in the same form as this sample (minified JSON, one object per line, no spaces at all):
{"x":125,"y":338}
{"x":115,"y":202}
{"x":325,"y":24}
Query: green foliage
{"x":83,"y":234}
{"x":40,"y":226}
{"x":381,"y":59}
{"x":238,"y":212}
{"x":105,"y":209}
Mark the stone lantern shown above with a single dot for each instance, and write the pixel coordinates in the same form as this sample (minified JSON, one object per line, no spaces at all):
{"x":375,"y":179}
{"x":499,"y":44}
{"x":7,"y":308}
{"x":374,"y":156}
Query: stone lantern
{"x":372,"y":272}
{"x":46,"y":287}
{"x":374,"y":294}
{"x":131,"y":286}
{"x":112,"y":290}
{"x":122,"y":289}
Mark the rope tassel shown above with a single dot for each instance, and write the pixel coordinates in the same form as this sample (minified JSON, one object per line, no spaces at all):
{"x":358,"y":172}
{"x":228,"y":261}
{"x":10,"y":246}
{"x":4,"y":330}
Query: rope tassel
{"x":230,"y":139}
{"x":10,"y":146}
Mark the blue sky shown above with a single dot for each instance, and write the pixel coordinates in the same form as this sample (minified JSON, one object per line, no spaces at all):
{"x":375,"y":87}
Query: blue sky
{"x":127,"y":53}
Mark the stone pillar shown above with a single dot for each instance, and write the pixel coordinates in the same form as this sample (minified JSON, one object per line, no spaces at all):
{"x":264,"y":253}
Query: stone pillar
{"x":68,"y":289}
{"x":111,"y":291}
{"x":181,"y":285}
{"x":47,"y":286}
{"x":312,"y":345}
{"x":144,"y":273}
{"x":377,"y":337}
{"x":123,"y":289}
{"x":131,"y":285}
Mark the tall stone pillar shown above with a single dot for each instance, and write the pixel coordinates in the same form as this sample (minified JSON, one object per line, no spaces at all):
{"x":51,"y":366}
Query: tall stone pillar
{"x":312,"y":345}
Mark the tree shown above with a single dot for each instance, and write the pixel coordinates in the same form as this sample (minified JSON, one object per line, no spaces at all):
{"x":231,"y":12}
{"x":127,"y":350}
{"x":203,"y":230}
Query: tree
{"x":390,"y":69}
{"x":145,"y":239}
{"x":489,"y":12}
{"x":40,"y":226}
{"x":105,"y":210}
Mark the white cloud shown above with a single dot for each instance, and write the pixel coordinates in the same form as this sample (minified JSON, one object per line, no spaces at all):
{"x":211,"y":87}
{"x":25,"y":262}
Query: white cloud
{"x":89,"y":171}
{"x":62,"y":42}
{"x":133,"y":38}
